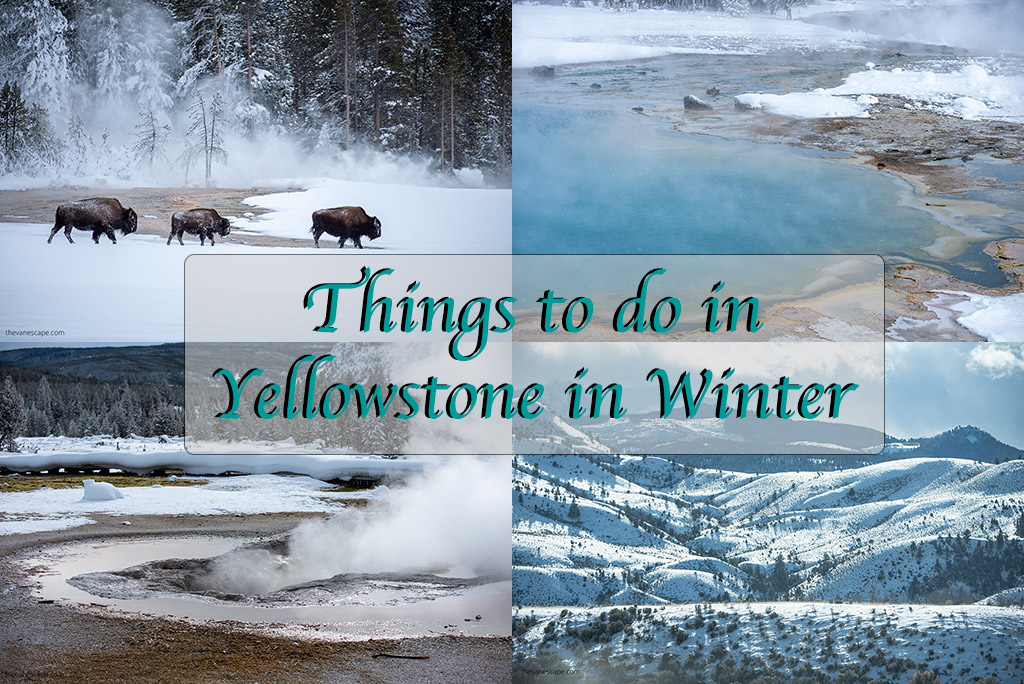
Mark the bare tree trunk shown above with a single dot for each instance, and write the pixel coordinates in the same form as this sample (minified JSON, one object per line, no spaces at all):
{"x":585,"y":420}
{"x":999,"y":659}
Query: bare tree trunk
{"x":348,"y":96}
{"x":442,"y":130}
{"x":216,"y":47}
{"x":248,"y":59}
{"x":206,"y":139}
{"x":451,"y":127}
{"x":376,"y":94}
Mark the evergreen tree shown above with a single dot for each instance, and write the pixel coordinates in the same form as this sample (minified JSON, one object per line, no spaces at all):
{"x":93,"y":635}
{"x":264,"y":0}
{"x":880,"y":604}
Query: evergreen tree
{"x":1020,"y":526}
{"x":12,"y":416}
{"x":14,"y":124}
{"x":33,"y":44}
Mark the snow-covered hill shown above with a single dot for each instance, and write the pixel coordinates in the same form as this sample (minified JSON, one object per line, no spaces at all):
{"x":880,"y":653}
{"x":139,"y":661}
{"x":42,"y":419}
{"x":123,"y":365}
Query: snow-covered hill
{"x":592,"y":528}
{"x":783,"y":642}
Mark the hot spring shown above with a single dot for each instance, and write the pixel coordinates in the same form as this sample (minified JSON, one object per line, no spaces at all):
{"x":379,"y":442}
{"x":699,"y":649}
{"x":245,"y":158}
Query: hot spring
{"x":430,"y":557}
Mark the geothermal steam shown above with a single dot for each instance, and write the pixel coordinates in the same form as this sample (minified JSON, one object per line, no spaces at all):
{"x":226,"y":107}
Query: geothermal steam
{"x":454,"y":519}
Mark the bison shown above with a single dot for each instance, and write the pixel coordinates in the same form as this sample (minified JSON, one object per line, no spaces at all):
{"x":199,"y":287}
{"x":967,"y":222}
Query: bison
{"x":202,"y":222}
{"x":345,"y":223}
{"x":98,"y":214}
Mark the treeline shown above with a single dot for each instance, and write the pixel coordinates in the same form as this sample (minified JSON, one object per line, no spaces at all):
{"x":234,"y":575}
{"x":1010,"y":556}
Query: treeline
{"x":114,"y":79}
{"x":76,"y":407}
{"x":966,"y":569}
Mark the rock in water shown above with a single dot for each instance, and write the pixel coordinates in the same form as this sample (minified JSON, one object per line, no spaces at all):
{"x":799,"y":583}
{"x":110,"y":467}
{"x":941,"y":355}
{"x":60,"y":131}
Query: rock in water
{"x":544,"y":71}
{"x":691,"y":102}
{"x":712,"y":91}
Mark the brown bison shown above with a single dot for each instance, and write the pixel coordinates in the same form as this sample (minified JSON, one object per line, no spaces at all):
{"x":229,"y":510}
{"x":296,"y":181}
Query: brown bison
{"x":202,"y":222}
{"x":345,"y":223}
{"x":101,"y":215}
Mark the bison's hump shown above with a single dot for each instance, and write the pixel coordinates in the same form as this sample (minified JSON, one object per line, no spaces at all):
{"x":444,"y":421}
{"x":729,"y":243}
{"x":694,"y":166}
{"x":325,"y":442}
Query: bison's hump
{"x":353,"y":214}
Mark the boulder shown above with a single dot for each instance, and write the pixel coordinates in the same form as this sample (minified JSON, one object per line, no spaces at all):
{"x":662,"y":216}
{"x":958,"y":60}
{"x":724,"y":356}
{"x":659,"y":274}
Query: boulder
{"x":691,"y":102}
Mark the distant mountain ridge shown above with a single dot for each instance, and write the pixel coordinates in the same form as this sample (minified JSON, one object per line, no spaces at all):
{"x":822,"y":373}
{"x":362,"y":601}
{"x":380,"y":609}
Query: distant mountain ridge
{"x":152,"y":364}
{"x":963,"y":441}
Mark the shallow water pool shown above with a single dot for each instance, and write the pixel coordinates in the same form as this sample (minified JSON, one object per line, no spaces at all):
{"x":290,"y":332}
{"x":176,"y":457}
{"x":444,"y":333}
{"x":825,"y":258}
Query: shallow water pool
{"x":381,"y":611}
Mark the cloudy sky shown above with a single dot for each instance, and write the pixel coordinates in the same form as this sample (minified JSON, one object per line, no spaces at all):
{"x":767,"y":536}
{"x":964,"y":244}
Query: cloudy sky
{"x":931,"y":387}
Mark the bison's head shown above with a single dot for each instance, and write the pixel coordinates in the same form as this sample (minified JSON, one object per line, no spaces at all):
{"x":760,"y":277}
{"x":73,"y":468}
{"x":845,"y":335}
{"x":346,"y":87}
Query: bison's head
{"x":224,"y":227}
{"x":129,"y":222}
{"x":375,"y":232}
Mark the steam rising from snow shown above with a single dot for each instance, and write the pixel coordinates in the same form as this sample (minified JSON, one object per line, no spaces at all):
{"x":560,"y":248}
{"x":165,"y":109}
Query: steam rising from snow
{"x":455,"y":518}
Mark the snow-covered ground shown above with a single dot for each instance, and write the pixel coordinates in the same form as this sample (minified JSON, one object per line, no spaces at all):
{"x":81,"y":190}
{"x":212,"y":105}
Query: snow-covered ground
{"x":143,"y":454}
{"x":840,"y":642}
{"x":132,"y":292}
{"x":94,"y":294}
{"x":967,"y":91}
{"x":996,"y":319}
{"x":415,"y":219}
{"x":56,"y":509}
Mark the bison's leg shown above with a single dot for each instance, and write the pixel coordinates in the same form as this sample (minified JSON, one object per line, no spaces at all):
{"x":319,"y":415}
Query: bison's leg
{"x":109,"y":232}
{"x":170,"y":236}
{"x":56,"y":227}
{"x":67,"y":234}
{"x":355,"y":239}
{"x":212,"y":233}
{"x":316,"y":237}
{"x":202,"y":239}
{"x":181,"y":234}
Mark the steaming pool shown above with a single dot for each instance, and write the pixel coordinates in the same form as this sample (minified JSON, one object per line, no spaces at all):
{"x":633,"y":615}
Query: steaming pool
{"x":595,"y":168}
{"x":165,"y":578}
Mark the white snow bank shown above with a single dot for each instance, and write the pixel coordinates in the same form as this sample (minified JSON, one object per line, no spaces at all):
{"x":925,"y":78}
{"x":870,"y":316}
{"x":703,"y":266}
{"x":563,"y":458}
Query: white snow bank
{"x":997,"y":319}
{"x":969,"y":93}
{"x":51,"y":509}
{"x":143,"y":455}
{"x":414,"y":219}
{"x":572,"y":35}
{"x":100,"y":491}
{"x":816,"y":105}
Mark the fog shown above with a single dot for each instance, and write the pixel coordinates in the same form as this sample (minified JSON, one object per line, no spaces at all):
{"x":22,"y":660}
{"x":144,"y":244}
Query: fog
{"x":453,"y":519}
{"x":987,"y":28}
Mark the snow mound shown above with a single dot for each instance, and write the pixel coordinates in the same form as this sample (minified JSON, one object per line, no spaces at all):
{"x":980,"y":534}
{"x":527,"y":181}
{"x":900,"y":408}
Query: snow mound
{"x":969,"y":93}
{"x":816,"y":105}
{"x":100,"y":491}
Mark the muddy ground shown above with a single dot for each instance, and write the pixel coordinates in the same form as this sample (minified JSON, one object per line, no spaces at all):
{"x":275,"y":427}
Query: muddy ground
{"x":49,"y":642}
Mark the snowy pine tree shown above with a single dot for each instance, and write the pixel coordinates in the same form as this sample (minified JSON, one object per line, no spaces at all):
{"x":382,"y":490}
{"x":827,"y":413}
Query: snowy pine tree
{"x":12,"y":416}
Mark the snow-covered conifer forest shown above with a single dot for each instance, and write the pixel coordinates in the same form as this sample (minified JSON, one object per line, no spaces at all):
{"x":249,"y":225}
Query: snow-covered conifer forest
{"x":172,"y":91}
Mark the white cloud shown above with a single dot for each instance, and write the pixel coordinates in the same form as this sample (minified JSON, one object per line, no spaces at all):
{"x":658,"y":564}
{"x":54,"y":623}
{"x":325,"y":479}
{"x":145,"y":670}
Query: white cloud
{"x":996,"y":360}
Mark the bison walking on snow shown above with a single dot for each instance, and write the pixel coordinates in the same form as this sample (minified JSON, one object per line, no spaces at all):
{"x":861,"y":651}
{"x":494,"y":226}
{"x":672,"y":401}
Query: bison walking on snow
{"x":345,"y":223}
{"x":101,"y":215}
{"x":202,"y":222}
